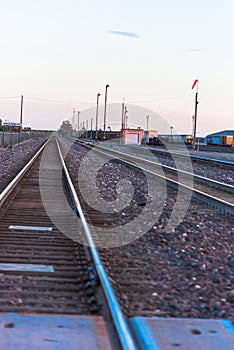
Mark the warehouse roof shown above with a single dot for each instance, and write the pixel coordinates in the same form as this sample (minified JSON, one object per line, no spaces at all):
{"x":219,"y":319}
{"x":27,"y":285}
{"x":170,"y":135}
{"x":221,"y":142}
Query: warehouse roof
{"x":222,"y":133}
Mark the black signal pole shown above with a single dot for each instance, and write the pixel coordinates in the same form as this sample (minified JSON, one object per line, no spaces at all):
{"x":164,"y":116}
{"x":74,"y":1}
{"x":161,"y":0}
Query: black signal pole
{"x":122,"y":121}
{"x":21,"y":116}
{"x":78,"y":122}
{"x":195,"y":120}
{"x":96,"y":133}
{"x":73,"y":119}
{"x":21,"y":112}
{"x":104,"y":133}
{"x":147,"y":123}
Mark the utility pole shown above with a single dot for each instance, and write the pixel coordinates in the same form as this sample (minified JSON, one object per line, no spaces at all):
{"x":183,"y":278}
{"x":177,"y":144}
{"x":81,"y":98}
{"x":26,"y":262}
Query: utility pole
{"x":96,"y":134}
{"x":147,"y":118}
{"x":73,"y":119}
{"x":21,"y":116}
{"x":78,"y":122}
{"x":195,"y":114}
{"x":21,"y":112}
{"x":91,"y":127}
{"x":195,"y":120}
{"x":125,"y":117}
{"x":104,"y":133}
{"x":122,"y":121}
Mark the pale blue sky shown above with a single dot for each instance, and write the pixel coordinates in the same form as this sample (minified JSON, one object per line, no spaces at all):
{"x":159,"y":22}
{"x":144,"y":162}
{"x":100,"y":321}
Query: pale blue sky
{"x":62,"y":50}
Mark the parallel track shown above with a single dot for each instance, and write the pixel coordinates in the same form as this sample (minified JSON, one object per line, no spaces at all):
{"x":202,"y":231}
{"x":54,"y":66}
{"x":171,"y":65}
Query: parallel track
{"x":226,"y":164}
{"x":214,"y":193}
{"x":180,"y":272}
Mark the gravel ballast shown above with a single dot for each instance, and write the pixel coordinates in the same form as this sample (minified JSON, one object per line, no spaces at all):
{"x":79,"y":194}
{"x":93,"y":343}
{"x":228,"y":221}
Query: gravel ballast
{"x":13,"y":159}
{"x":185,"y":272}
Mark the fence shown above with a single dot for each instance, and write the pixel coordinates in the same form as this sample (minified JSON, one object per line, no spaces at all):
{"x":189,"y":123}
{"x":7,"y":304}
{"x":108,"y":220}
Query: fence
{"x":12,"y":138}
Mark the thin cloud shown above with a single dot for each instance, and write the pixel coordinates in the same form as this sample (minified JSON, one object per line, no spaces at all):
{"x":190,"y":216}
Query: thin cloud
{"x":194,"y":50}
{"x":128,"y":34}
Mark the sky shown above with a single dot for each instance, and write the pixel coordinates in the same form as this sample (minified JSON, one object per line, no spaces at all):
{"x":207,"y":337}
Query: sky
{"x":59,"y":54}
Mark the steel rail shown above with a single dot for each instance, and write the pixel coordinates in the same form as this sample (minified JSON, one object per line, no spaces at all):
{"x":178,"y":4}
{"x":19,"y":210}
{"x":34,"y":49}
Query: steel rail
{"x":210,"y":182}
{"x":121,"y":326}
{"x":202,"y":196}
{"x":8,"y":190}
{"x":225,"y":163}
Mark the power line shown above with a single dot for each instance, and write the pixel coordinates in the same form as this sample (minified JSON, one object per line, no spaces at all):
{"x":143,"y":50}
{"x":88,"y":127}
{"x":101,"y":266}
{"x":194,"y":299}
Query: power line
{"x":8,"y":98}
{"x":162,"y":99}
{"x":58,"y":101}
{"x":91,"y":103}
{"x":179,"y":110}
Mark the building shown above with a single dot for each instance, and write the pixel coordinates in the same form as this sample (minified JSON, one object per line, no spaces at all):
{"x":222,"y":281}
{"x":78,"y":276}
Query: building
{"x":11,"y":126}
{"x":133,"y":136}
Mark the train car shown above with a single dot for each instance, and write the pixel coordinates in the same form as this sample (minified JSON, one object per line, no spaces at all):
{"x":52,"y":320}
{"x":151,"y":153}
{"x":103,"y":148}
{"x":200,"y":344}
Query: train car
{"x":149,"y":136}
{"x":226,"y":140}
{"x":168,"y":139}
{"x":213,"y":140}
{"x":155,"y":141}
{"x":188,"y":139}
{"x":91,"y":134}
{"x":223,"y":140}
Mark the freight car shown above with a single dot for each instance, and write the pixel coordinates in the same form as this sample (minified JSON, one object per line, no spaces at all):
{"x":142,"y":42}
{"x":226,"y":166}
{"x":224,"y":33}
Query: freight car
{"x":223,"y":140}
{"x":163,"y":140}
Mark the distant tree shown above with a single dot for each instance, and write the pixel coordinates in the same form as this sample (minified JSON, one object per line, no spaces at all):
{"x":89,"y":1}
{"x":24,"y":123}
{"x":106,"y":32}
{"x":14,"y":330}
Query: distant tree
{"x":27,"y":128}
{"x":65,"y":128}
{"x":0,"y":124}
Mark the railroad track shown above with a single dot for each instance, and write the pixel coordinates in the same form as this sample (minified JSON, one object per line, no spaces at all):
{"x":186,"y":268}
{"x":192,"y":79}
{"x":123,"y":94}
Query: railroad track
{"x":180,"y":273}
{"x":210,"y":148}
{"x":183,"y":152}
{"x":45,"y":271}
{"x":223,"y":163}
{"x":42,"y":270}
{"x":212,"y":192}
